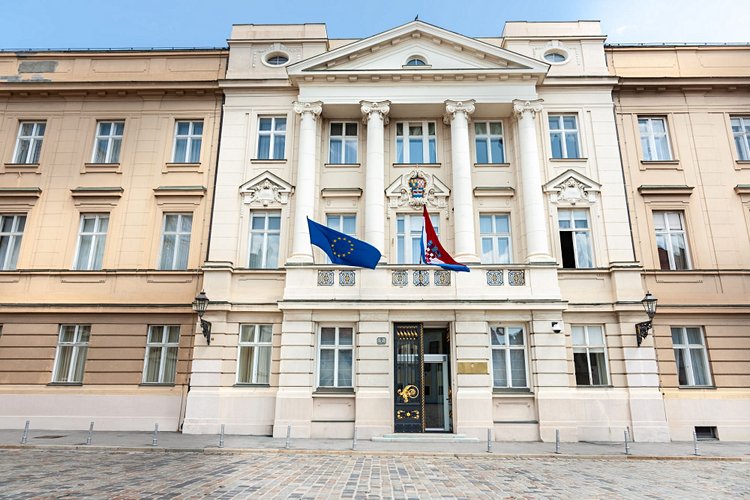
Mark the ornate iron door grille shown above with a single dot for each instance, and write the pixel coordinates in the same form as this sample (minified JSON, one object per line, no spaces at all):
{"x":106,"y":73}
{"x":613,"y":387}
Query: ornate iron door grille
{"x":409,"y":376}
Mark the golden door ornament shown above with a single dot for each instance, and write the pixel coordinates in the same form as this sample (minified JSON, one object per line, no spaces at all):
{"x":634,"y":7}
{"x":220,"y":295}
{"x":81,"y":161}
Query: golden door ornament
{"x":408,"y":392}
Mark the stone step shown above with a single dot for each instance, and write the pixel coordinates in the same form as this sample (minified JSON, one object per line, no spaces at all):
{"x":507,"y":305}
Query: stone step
{"x":426,"y":437}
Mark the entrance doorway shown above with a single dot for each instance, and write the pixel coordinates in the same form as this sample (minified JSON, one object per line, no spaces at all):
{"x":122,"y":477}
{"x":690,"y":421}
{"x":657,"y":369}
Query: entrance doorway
{"x":422,"y":379}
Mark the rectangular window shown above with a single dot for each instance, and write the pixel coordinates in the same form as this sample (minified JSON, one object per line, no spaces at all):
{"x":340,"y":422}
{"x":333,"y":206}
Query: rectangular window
{"x":690,"y":356}
{"x":409,"y":237}
{"x":160,"y":366}
{"x":254,"y":356}
{"x":11,"y":232}
{"x":654,"y":139}
{"x":488,"y":138}
{"x":346,"y":224}
{"x":563,"y":134}
{"x":494,"y":231}
{"x":589,"y":355}
{"x":271,"y":137}
{"x":671,"y":243}
{"x":188,"y":137}
{"x":108,"y":142}
{"x":175,"y":241}
{"x":29,"y":143}
{"x":741,"y":132}
{"x":508,"y":357}
{"x":335,"y":356}
{"x":70,"y":358}
{"x":416,"y":142}
{"x":265,"y":230}
{"x":343,"y":143}
{"x":575,"y":238}
{"x":92,"y":234}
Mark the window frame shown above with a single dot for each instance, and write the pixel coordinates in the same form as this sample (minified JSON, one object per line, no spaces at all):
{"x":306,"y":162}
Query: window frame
{"x":110,"y":138}
{"x":564,"y":133}
{"x":77,"y":345}
{"x":190,"y":137}
{"x":177,"y":236}
{"x":96,"y":235}
{"x":255,"y":346}
{"x":164,"y":345}
{"x":587,"y":348}
{"x":506,"y":348}
{"x":336,"y":347}
{"x":651,"y":138}
{"x":344,"y":138}
{"x":574,"y":230}
{"x":265,"y":232}
{"x":667,"y":233}
{"x":273,"y":134}
{"x":36,"y":140}
{"x":9,"y":261}
{"x":689,"y":370}
{"x":407,"y":253}
{"x":743,"y":154}
{"x":426,"y":138}
{"x":494,"y":236}
{"x":489,"y":136}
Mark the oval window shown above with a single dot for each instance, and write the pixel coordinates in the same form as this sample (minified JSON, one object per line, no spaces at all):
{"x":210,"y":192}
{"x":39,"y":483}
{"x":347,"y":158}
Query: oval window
{"x":277,"y":59}
{"x":416,"y":61}
{"x":555,"y":57}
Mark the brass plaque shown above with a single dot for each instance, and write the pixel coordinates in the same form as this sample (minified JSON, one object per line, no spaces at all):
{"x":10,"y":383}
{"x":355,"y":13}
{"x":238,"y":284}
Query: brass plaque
{"x":472,"y":368}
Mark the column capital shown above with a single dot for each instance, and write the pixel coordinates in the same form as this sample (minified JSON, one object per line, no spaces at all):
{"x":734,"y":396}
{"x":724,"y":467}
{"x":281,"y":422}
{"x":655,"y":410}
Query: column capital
{"x":523,"y":106}
{"x":314,"y":108}
{"x":382,"y":108}
{"x":452,"y":107}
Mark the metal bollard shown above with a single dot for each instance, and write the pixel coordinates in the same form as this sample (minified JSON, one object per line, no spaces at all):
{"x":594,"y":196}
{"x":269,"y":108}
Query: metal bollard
{"x":221,"y":437}
{"x":627,"y":448}
{"x":288,"y":435}
{"x":354,"y":439}
{"x":695,"y":444}
{"x":155,"y":439}
{"x":25,"y":435}
{"x":91,"y":433}
{"x":557,"y":441}
{"x":489,"y":440}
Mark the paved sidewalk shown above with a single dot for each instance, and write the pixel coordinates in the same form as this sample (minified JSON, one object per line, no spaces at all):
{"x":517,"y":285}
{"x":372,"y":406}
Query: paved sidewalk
{"x":208,"y":443}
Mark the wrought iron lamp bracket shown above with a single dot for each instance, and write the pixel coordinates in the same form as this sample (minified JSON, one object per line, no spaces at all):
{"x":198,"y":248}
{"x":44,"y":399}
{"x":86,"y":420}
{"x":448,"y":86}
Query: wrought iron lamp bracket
{"x":641,"y":331}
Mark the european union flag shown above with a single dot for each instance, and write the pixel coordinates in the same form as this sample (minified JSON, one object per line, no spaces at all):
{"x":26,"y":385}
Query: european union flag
{"x":341,"y":248}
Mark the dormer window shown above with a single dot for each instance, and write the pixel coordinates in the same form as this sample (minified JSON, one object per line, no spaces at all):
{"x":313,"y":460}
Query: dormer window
{"x":416,"y":61}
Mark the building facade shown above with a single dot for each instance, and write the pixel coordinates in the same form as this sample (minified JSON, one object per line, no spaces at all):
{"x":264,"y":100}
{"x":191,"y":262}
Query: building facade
{"x":107,"y":161}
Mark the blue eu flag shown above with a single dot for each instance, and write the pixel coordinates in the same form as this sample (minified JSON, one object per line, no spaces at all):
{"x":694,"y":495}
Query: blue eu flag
{"x":341,"y":248}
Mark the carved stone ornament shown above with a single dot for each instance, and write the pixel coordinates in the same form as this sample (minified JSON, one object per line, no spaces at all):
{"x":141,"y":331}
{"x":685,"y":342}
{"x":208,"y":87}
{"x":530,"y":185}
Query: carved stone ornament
{"x":381,"y":108}
{"x":523,"y":108}
{"x":417,"y":189}
{"x":572,"y":188}
{"x":266,"y":190}
{"x":453,"y":107}
{"x":315,"y":107}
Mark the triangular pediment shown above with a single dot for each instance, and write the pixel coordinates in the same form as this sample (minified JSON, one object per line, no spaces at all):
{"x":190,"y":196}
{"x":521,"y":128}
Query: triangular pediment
{"x":572,"y":187}
{"x":443,"y":52}
{"x":266,"y":189}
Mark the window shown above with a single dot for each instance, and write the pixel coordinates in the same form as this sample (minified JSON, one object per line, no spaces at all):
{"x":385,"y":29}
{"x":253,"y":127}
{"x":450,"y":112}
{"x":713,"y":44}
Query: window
{"x":11,"y":231}
{"x":508,"y":357}
{"x":91,"y":236}
{"x":108,"y":142}
{"x":277,"y":59}
{"x":188,"y":137}
{"x":563,"y":134}
{"x":346,"y":224}
{"x":254,"y":357}
{"x":265,"y":228}
{"x":670,"y":240}
{"x":343,"y":143}
{"x":488,"y":137}
{"x":575,"y":238}
{"x":494,"y":230}
{"x":409,"y":237}
{"x":690,"y":356}
{"x":175,"y":241}
{"x":70,"y":358}
{"x":271,"y":137}
{"x":161,"y":354}
{"x":589,"y":355}
{"x":654,"y":140}
{"x":415,"y":142}
{"x":416,"y":61}
{"x":741,"y":131}
{"x":335,"y":360}
{"x":29,"y":143}
{"x":555,"y":56}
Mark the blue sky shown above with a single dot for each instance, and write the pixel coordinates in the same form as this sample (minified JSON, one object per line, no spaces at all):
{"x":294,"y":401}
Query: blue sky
{"x":201,"y":23}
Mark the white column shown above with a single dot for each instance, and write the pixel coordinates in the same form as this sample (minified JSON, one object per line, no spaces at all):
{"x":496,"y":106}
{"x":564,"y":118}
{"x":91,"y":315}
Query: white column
{"x":376,"y":117}
{"x":304,"y":194}
{"x":537,"y":241}
{"x":457,"y":115}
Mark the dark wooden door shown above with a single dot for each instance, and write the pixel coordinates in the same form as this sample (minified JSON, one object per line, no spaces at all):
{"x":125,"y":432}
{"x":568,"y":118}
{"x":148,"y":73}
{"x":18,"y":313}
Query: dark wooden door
{"x":409,"y":377}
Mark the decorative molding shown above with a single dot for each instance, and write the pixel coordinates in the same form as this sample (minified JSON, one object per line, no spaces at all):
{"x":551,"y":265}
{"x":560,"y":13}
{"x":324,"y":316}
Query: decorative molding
{"x":314,"y":107}
{"x":341,"y":192}
{"x":665,"y":190}
{"x":347,"y":278}
{"x":494,"y":191}
{"x":265,"y":190}
{"x":325,"y":278}
{"x":495,"y":278}
{"x":399,"y":278}
{"x":190,"y":195}
{"x":442,"y":278}
{"x":369,"y":108}
{"x":96,"y":196}
{"x":521,"y":107}
{"x":18,"y":198}
{"x":417,"y":189}
{"x":421,"y":278}
{"x":517,"y":278}
{"x":452,"y":107}
{"x":572,"y":188}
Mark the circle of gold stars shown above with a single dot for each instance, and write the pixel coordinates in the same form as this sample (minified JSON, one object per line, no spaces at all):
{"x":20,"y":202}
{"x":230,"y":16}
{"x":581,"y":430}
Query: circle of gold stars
{"x":338,"y":251}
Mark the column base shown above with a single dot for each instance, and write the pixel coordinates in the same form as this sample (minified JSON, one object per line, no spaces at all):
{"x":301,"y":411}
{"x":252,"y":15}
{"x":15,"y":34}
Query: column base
{"x":536,"y":258}
{"x":467,"y":258}
{"x":300,"y":258}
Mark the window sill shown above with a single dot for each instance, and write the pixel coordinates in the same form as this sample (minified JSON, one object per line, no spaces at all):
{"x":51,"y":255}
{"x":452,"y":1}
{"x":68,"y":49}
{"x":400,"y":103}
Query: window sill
{"x":22,"y":167}
{"x":697,"y":387}
{"x":595,"y":386}
{"x":182,"y":167}
{"x":332,"y":392}
{"x":261,"y":386}
{"x":568,"y":160}
{"x":741,"y":164}
{"x":156,"y":384}
{"x":665,"y":164}
{"x":491,"y":165}
{"x":65,"y":384}
{"x":416,"y":165}
{"x":101,"y":167}
{"x":268,"y":160}
{"x":342,"y":165}
{"x":508,"y":391}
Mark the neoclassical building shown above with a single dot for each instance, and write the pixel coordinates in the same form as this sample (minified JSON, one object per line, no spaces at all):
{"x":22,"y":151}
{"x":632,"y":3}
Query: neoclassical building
{"x":511,"y":144}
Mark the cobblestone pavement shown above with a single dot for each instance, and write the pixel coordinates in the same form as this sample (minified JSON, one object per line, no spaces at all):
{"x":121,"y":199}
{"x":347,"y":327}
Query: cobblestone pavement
{"x":96,"y":474}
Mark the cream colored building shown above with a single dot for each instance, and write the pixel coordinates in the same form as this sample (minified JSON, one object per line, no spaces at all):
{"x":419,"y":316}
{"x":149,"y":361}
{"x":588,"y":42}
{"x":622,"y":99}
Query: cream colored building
{"x":683,"y":117}
{"x":511,"y":144}
{"x":106,"y":164}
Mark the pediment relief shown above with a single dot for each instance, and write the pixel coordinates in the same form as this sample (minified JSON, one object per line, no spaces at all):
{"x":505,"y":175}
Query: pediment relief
{"x":266,"y":190}
{"x":572,"y":188}
{"x":416,"y":189}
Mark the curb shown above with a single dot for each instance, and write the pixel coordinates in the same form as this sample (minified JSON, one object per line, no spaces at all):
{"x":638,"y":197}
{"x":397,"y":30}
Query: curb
{"x":240,"y":451}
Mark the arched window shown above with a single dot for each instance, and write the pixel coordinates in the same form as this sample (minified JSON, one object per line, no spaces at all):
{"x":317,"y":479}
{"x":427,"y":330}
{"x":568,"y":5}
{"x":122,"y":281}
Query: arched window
{"x":555,"y":56}
{"x":277,"y":59}
{"x":416,"y":61}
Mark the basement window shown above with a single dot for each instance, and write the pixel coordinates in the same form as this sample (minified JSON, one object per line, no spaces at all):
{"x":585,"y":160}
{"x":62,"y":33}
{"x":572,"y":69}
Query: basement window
{"x":706,"y":433}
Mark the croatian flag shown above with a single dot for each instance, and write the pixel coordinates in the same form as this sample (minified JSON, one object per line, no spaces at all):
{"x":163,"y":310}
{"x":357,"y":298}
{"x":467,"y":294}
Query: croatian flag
{"x":433,"y":252}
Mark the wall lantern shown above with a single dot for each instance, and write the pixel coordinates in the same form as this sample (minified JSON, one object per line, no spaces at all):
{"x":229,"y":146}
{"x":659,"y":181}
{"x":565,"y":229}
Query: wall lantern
{"x":199,"y":306}
{"x":649,"y":305}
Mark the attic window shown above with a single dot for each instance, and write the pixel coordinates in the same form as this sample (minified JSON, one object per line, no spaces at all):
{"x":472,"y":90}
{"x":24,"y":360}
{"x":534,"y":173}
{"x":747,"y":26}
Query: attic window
{"x":556,"y":56}
{"x":277,"y":59}
{"x":415,"y":61}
